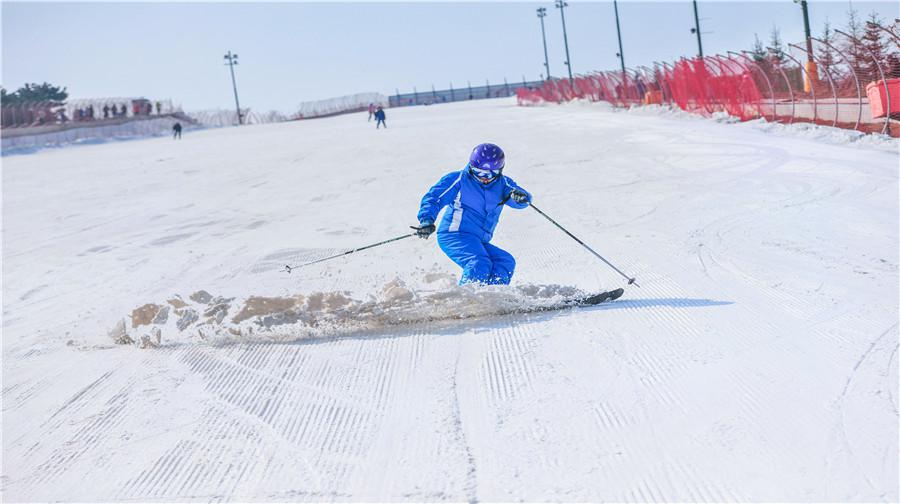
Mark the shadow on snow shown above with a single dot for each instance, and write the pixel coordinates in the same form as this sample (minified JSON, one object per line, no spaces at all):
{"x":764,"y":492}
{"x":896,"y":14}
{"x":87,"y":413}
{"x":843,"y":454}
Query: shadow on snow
{"x":455,"y":326}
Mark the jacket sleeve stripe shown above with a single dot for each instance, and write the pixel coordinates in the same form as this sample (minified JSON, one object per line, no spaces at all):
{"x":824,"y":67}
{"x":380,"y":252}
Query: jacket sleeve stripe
{"x":457,"y":213}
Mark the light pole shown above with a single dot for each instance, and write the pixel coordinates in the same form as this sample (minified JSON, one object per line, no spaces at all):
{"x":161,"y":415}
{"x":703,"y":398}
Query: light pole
{"x":542,"y":13}
{"x":696,"y":29}
{"x":561,"y":5}
{"x":233,"y":60}
{"x":812,"y":73}
{"x":621,"y":54}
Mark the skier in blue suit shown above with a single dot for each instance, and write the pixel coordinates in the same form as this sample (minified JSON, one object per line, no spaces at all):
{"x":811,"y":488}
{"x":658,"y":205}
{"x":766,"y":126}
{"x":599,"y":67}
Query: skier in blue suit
{"x":475,"y":196}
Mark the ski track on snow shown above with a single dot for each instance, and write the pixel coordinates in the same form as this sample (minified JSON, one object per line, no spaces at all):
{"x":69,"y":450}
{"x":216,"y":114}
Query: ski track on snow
{"x":756,"y":362}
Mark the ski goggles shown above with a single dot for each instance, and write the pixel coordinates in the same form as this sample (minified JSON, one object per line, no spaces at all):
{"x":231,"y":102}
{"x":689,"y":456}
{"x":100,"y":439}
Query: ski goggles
{"x":485,"y":175}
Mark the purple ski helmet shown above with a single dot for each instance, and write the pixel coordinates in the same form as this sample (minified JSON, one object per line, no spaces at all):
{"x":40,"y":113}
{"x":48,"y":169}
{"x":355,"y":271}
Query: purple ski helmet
{"x":486,"y":162}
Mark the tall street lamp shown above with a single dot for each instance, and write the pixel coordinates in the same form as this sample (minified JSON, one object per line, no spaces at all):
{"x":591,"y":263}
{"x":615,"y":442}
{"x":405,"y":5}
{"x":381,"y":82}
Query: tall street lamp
{"x":542,"y":13}
{"x":621,"y":54}
{"x":812,"y":73}
{"x":696,"y":29}
{"x":233,"y":60}
{"x":561,"y":5}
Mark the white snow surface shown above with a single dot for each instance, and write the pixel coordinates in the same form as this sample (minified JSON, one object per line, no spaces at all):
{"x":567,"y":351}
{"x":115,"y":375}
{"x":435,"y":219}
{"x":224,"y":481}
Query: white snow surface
{"x":757,"y":361}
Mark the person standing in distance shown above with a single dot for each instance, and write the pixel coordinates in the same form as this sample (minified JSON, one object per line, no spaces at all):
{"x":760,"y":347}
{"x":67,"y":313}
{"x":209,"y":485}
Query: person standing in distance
{"x":379,"y":118}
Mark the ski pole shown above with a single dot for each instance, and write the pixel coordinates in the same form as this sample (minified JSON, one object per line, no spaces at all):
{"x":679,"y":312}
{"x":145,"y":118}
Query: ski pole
{"x":291,"y":268}
{"x":538,"y":210}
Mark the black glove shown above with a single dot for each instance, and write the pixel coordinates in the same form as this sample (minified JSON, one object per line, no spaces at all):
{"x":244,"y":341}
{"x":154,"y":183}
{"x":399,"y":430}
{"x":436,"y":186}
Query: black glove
{"x":519,"y":197}
{"x":424,"y":230}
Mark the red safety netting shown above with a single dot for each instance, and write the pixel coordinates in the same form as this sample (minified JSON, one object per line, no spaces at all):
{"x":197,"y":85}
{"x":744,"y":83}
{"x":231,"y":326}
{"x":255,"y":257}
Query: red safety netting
{"x":844,"y":80}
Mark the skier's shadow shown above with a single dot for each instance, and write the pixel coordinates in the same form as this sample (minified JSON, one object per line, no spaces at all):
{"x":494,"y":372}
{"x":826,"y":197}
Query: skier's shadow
{"x":653,"y":302}
{"x":542,"y":315}
{"x":454,"y":327}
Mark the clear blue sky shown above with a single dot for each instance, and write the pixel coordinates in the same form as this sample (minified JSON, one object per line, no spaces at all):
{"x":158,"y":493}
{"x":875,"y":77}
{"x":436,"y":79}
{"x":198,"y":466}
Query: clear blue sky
{"x":295,"y":52}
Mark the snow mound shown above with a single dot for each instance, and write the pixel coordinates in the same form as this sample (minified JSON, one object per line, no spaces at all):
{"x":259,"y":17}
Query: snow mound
{"x":809,"y":131}
{"x":202,"y":316}
{"x":826,"y":134}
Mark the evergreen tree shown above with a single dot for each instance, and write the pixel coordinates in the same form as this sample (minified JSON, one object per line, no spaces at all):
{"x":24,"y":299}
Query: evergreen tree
{"x":775,"y":45}
{"x":824,"y":53}
{"x":41,"y":92}
{"x":874,"y":47}
{"x":852,"y":46}
{"x":758,"y":52}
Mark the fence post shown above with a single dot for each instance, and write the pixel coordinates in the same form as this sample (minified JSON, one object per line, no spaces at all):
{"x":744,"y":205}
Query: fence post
{"x":812,"y":57}
{"x":855,"y":81}
{"x":765,"y":77}
{"x":727,"y":71}
{"x":663,"y":82}
{"x":790,"y":89}
{"x":812,"y":89}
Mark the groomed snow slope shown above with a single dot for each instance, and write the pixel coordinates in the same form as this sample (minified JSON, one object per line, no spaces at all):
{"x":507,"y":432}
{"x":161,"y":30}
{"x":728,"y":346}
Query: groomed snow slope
{"x":756,"y":362}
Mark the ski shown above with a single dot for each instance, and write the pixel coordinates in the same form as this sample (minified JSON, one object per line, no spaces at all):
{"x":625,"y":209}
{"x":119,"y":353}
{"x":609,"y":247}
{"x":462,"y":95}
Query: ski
{"x":596,"y":299}
{"x":592,"y":300}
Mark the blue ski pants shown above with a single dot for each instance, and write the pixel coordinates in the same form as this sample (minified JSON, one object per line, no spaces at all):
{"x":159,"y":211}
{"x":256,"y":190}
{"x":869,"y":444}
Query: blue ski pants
{"x":481,"y":262}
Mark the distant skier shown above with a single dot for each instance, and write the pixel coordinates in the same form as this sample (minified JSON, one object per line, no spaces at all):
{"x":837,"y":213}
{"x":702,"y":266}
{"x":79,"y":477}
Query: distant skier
{"x":475,"y":196}
{"x":371,"y":111}
{"x":379,"y":118}
{"x":176,"y":131}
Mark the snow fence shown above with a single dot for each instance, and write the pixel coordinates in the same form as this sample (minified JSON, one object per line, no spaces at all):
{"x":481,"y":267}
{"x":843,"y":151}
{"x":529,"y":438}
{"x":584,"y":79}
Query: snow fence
{"x":839,"y":81}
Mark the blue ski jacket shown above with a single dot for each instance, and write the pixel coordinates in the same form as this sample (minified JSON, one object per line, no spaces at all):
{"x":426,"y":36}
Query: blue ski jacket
{"x":474,"y":207}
